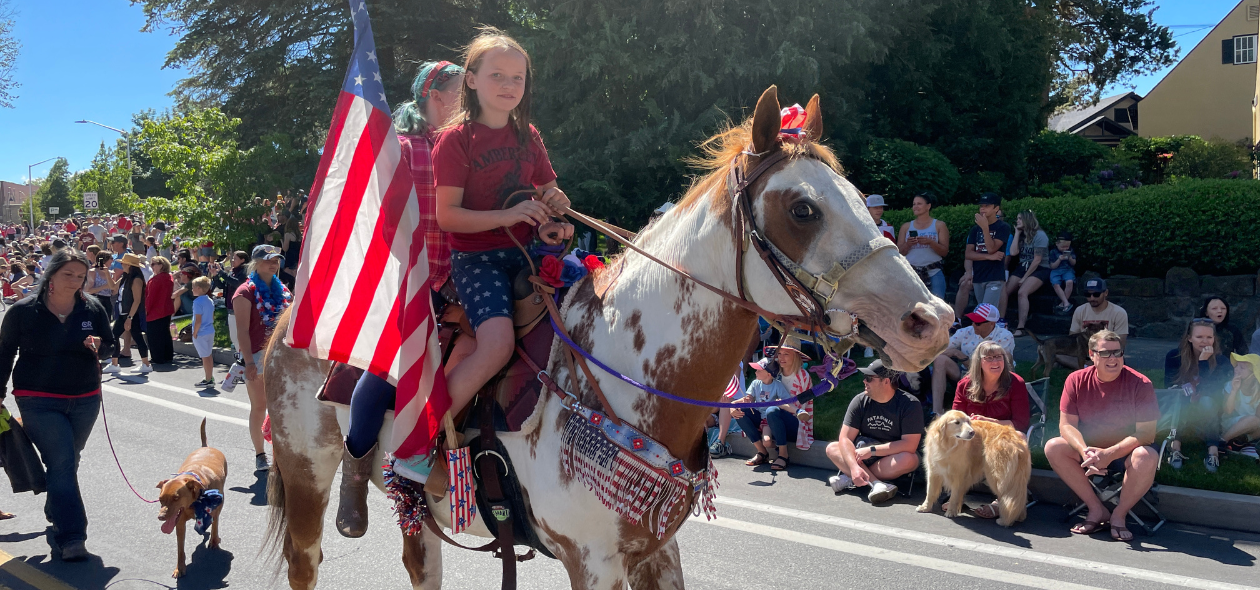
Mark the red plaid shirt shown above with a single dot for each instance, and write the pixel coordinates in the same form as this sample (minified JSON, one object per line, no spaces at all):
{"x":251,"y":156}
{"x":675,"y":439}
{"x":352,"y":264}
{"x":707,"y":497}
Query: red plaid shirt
{"x":417,"y":149}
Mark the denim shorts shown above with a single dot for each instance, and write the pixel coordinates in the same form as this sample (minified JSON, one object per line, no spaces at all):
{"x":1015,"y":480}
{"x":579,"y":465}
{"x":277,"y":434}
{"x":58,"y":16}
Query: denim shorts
{"x":1061,"y":275}
{"x":484,"y":282}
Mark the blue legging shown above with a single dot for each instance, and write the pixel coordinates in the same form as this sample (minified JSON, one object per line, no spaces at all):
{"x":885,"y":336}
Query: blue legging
{"x":372,"y":396}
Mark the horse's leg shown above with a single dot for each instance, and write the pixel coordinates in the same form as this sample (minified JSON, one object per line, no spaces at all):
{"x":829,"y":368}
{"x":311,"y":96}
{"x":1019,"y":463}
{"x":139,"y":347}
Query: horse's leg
{"x":307,"y":481}
{"x":422,"y":556}
{"x":661,"y":570}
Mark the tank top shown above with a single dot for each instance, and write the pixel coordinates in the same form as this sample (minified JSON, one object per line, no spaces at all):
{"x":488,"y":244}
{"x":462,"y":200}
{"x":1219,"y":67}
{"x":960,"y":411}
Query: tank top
{"x":922,"y":254}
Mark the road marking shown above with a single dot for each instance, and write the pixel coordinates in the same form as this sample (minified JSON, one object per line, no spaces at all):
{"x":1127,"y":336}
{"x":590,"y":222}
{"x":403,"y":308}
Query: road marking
{"x":1093,"y":567}
{"x":932,"y":563}
{"x":27,"y":573}
{"x":188,"y":392}
{"x":174,"y":406}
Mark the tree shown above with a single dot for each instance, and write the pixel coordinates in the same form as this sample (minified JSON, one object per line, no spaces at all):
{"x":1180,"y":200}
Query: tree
{"x":54,"y":190}
{"x":107,"y":178}
{"x":1101,"y":43}
{"x":213,"y":182}
{"x":10,"y":47}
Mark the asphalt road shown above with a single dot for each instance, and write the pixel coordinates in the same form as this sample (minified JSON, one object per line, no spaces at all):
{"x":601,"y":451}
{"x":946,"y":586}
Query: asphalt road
{"x":784,"y":531}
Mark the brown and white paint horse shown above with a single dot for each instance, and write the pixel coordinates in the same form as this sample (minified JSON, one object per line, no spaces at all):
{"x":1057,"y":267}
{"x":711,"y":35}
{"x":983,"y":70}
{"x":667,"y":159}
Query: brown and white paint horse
{"x":656,"y":327}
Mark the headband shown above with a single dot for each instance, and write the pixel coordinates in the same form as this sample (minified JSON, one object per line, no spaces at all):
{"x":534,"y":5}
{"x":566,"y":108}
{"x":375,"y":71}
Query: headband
{"x":435,"y":75}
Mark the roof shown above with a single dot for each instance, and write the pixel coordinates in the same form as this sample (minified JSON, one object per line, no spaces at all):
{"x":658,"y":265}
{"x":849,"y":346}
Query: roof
{"x":1073,"y":120}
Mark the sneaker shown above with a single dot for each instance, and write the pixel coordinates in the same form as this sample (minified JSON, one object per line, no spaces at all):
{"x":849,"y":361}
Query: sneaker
{"x":881,"y":491}
{"x":1249,"y":451}
{"x":261,"y":463}
{"x":1176,"y":459}
{"x":868,"y":353}
{"x":204,"y":384}
{"x":1212,"y":463}
{"x":840,"y":483}
{"x":717,"y":450}
{"x":74,"y":551}
{"x":144,"y":369}
{"x":112,"y":369}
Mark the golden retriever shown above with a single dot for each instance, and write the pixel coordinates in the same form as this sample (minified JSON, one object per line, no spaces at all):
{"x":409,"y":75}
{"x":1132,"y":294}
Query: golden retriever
{"x":959,"y":453}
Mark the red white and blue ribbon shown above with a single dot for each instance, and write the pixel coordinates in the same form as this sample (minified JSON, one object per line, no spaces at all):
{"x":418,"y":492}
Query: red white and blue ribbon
{"x":463,"y":500}
{"x":792,"y":122}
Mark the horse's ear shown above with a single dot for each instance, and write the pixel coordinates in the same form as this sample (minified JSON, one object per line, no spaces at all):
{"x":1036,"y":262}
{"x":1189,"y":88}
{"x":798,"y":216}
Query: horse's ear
{"x":813,"y":119}
{"x":766,"y":121}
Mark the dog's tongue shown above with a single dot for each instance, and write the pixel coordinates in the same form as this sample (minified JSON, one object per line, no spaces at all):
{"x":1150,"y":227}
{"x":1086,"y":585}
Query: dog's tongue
{"x":168,"y":525}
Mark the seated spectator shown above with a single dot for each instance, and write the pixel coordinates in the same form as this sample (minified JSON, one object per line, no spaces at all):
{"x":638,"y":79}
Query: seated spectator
{"x":1201,"y":370}
{"x":991,"y":391}
{"x":879,"y":440}
{"x":954,"y":362}
{"x":1033,"y":248}
{"x":790,"y":359}
{"x":875,"y":205}
{"x":1240,"y":413}
{"x":1228,"y":338}
{"x":1097,"y":313}
{"x":1062,"y":271}
{"x":1107,"y":420}
{"x":777,"y":424}
{"x":983,"y":261}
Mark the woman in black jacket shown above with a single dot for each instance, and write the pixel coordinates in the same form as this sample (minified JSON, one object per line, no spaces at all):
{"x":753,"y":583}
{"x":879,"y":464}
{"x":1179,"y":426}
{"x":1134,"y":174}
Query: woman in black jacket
{"x":58,"y":337}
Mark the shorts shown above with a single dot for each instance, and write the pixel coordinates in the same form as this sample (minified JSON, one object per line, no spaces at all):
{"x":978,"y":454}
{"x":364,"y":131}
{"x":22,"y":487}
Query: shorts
{"x":484,"y":282}
{"x":204,"y":343}
{"x":990,"y":292}
{"x":1042,"y":274}
{"x":866,"y":441}
{"x":258,"y":356}
{"x":1061,"y":275}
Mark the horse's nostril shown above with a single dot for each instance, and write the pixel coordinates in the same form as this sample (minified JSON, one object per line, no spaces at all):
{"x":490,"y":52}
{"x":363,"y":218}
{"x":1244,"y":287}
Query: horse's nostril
{"x":917,"y":324}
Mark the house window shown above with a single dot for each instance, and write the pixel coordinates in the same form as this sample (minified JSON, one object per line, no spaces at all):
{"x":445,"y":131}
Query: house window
{"x":1121,"y":115}
{"x":1245,"y":49}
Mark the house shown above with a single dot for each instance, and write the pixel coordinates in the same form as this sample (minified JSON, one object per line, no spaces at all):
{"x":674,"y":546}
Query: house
{"x":13,"y":196}
{"x":1107,"y":121}
{"x":1211,"y":91}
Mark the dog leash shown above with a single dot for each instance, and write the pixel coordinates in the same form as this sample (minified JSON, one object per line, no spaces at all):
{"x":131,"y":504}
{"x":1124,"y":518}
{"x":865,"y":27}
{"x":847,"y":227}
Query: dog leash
{"x":110,"y":440}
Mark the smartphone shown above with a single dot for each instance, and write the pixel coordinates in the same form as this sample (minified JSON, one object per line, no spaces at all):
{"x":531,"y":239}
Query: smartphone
{"x":913,"y":233}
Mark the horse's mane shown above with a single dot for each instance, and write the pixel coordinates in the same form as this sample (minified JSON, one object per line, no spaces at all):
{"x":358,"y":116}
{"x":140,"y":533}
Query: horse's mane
{"x":718,"y":154}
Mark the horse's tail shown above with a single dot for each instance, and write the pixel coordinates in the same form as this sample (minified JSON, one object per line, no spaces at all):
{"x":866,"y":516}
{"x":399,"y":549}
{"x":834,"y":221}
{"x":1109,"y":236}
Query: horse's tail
{"x":277,"y":518}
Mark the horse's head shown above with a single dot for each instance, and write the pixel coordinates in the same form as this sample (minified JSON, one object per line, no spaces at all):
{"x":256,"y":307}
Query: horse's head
{"x":818,"y":226}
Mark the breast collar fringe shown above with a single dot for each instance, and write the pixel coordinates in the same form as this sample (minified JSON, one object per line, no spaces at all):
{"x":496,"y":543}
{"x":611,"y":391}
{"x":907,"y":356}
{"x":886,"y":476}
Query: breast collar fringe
{"x":632,"y":474}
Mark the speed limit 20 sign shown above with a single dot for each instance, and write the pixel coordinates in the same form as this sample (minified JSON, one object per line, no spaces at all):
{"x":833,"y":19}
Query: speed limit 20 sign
{"x":89,"y":200}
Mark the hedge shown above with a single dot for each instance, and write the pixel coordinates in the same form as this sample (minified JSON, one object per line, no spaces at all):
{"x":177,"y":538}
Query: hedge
{"x":1207,"y":225}
{"x":899,"y":170}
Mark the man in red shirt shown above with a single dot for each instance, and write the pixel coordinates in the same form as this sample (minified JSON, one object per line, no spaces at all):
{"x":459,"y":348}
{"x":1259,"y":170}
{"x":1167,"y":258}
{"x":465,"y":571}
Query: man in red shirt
{"x":1107,"y":418}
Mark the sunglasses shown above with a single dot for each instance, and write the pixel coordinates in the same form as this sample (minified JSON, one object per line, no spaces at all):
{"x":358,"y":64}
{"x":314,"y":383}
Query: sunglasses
{"x":1203,"y":321}
{"x":270,"y":249}
{"x":1093,"y":295}
{"x":1117,"y":353}
{"x":870,"y":378}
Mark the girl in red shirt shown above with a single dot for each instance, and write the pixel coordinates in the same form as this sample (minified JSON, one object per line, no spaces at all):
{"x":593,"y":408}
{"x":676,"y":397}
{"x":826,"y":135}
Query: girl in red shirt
{"x":487,"y":152}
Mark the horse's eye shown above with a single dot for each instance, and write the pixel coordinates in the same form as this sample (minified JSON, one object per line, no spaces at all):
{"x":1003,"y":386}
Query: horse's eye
{"x":803,"y":211}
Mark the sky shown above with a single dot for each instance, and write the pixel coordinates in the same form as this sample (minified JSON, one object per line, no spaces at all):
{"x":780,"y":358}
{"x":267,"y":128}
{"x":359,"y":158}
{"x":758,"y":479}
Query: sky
{"x":87,"y":59}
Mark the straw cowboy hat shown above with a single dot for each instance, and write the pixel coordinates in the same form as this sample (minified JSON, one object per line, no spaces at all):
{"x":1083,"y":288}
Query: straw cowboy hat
{"x":793,"y":344}
{"x":132,"y":260}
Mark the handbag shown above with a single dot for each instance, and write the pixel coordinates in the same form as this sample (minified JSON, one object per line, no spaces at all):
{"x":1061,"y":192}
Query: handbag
{"x":20,"y":459}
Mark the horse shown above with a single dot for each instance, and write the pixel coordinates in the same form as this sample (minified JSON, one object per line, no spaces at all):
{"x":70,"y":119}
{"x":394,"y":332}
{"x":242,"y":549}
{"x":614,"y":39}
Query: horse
{"x":654,"y":325}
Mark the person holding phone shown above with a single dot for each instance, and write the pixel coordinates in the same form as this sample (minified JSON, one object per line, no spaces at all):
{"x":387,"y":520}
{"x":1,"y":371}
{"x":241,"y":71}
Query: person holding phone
{"x":924,"y":242}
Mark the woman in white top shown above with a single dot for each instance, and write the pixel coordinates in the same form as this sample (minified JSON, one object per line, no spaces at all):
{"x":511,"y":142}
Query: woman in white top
{"x":924,"y":242}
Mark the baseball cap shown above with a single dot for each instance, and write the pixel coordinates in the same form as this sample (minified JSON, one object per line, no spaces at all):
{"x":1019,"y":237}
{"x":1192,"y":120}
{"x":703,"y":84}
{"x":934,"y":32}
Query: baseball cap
{"x":990,"y":199}
{"x":985,"y":312}
{"x":877,"y":369}
{"x":119,"y":238}
{"x":1095,"y":286}
{"x":761,"y":364}
{"x":266,"y":252}
{"x":1065,"y":236}
{"x":875,"y":201}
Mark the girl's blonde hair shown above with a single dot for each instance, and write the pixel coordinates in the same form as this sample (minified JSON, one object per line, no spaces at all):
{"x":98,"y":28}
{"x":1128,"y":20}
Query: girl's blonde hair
{"x":489,"y":40}
{"x":975,"y":390}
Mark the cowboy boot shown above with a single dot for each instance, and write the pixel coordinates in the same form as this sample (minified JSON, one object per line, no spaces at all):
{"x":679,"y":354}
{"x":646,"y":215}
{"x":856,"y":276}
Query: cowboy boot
{"x":352,"y":515}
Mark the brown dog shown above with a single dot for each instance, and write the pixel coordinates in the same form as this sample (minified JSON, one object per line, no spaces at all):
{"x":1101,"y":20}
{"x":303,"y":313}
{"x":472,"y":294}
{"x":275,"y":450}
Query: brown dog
{"x":204,"y":469}
{"x":960,"y":453}
{"x":1076,"y":345}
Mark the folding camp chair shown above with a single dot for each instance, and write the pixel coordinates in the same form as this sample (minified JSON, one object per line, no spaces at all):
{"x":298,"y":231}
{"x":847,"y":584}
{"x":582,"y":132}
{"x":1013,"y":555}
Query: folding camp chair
{"x":1109,"y":485}
{"x":1037,"y":413}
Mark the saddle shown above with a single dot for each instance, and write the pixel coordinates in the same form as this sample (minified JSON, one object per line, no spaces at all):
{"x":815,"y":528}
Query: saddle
{"x":516,"y":389}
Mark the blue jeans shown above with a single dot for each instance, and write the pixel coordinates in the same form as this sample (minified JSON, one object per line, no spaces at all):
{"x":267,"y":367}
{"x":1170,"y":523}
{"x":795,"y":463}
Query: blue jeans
{"x":368,"y":404}
{"x":937,"y":285}
{"x":783,"y":424}
{"x":60,"y":427}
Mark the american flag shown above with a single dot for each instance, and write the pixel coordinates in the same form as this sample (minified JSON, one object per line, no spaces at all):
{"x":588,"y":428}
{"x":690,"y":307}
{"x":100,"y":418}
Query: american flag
{"x":463,"y":503}
{"x":361,"y":294}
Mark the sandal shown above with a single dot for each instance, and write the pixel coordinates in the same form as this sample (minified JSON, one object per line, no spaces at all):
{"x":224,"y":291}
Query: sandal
{"x":1019,"y":333}
{"x":758,"y":459}
{"x":6,"y":515}
{"x":776,"y":466}
{"x":1119,"y":533}
{"x":1089,"y":527}
{"x":986,"y":511}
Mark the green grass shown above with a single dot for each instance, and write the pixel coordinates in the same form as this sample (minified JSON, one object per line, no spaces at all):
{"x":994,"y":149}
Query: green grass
{"x":221,"y":337}
{"x":1237,"y":475}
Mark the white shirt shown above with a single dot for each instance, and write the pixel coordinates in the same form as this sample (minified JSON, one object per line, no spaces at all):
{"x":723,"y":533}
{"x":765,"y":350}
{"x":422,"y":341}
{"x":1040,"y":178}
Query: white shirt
{"x":967,"y":340}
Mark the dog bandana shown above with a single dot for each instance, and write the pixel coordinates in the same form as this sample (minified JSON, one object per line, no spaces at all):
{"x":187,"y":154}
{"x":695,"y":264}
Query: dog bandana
{"x":203,"y":509}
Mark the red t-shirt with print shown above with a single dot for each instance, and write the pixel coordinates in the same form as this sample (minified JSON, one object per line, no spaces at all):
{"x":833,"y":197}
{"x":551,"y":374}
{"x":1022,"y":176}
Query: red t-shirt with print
{"x":490,"y":164}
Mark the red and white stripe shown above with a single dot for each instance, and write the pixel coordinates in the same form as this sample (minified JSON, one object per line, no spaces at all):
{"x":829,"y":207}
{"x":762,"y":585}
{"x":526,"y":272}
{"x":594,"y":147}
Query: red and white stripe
{"x":360,"y":298}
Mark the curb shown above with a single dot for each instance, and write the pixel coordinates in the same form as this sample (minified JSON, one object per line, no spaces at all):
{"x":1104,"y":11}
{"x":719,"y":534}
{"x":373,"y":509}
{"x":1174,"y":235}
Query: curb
{"x":1234,"y":512}
{"x":222,"y":356}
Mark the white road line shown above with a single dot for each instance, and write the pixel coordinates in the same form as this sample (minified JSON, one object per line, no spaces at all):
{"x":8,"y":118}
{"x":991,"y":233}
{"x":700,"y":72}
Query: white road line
{"x":1094,"y":567}
{"x":188,"y":392}
{"x":173,"y":406}
{"x":932,"y":563}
